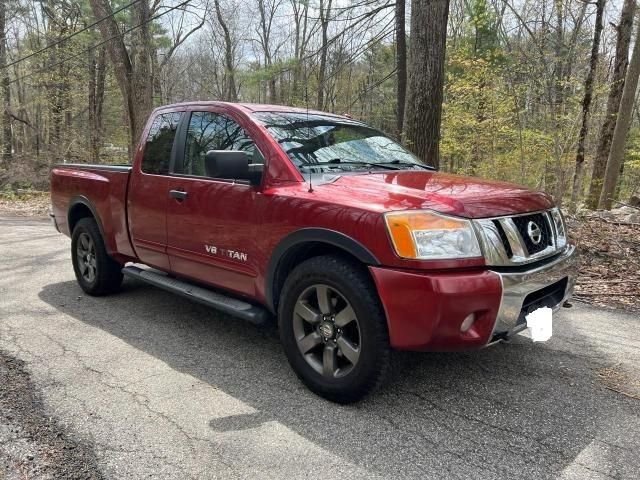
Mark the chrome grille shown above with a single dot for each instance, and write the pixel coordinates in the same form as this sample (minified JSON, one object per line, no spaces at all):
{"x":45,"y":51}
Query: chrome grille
{"x":518,"y":239}
{"x":541,"y":221}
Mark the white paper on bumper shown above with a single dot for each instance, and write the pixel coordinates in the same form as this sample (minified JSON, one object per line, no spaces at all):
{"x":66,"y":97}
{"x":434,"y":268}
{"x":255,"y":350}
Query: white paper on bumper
{"x":539,"y":324}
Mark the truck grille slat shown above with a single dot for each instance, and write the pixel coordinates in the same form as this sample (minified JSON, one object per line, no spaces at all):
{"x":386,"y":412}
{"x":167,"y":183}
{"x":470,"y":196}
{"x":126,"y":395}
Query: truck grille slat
{"x":503,"y":237}
{"x":519,"y":239}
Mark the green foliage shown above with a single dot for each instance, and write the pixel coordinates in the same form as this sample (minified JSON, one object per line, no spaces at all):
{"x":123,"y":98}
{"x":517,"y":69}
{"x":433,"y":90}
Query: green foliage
{"x":630,"y":182}
{"x":507,"y":113}
{"x":7,"y":193}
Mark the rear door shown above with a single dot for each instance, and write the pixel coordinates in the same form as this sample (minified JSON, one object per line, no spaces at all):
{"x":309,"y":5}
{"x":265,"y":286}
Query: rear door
{"x":147,"y":197}
{"x":212,"y":222}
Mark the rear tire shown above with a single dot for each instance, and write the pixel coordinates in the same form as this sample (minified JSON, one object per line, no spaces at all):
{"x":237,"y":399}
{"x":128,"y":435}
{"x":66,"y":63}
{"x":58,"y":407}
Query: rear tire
{"x":97,"y":273}
{"x":333,"y":328}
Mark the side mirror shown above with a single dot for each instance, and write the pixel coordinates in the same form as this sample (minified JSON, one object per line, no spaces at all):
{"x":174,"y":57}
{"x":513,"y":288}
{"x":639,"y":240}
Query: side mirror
{"x":233,"y":165}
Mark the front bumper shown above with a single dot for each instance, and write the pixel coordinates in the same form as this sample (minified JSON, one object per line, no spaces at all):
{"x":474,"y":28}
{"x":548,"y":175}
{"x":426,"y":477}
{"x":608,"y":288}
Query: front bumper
{"x":425,"y":311}
{"x":548,"y":285}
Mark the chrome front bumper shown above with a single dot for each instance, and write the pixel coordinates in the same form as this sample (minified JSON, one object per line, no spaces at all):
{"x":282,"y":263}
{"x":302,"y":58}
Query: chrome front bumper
{"x":549,"y":285}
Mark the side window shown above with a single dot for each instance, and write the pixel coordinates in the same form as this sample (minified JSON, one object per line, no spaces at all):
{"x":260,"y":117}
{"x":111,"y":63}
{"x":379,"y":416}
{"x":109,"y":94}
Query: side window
{"x":157,"y":149}
{"x":211,"y":131}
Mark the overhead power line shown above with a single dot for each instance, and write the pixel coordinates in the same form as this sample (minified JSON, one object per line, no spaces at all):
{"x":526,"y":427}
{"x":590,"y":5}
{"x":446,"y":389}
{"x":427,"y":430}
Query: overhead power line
{"x":62,"y":40}
{"x":87,"y":50}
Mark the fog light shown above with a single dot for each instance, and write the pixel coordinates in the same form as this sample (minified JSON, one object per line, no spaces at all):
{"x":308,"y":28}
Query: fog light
{"x":467,"y":322}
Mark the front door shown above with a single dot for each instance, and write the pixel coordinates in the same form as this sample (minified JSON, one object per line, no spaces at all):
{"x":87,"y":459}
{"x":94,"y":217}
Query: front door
{"x":211,"y":222}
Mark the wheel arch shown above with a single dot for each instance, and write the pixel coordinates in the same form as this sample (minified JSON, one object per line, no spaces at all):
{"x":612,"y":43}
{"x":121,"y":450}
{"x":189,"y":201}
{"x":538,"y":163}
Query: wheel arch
{"x":302,"y":245}
{"x":81,"y":207}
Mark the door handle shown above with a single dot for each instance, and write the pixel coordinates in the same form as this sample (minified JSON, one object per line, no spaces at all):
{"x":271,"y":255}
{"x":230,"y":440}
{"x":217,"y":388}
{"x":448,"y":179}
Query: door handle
{"x":177,"y":194}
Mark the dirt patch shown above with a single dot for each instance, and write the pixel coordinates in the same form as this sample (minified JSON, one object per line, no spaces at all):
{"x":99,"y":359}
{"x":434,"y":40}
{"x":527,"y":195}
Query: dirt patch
{"x":618,"y":379}
{"x":33,"y":445}
{"x":610,"y":262}
{"x":25,"y":204}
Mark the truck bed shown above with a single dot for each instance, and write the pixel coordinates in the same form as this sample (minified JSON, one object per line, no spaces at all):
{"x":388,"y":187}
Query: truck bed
{"x":77,"y":187}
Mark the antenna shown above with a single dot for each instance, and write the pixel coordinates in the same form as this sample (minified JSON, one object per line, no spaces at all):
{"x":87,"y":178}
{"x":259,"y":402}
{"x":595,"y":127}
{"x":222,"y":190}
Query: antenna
{"x":306,"y":101}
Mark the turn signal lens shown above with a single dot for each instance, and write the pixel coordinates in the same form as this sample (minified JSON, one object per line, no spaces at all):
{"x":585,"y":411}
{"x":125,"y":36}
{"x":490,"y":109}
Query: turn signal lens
{"x":429,"y":235}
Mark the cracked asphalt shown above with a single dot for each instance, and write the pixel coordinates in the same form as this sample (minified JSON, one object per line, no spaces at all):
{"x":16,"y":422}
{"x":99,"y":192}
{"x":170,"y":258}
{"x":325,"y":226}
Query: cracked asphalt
{"x":152,"y":385}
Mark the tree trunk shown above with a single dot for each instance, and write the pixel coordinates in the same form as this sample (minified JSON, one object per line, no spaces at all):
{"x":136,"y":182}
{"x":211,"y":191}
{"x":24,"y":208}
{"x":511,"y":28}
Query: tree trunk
{"x":93,"y":147}
{"x":265,"y":26}
{"x":97,"y":73}
{"x":426,"y":78}
{"x":322,"y":71}
{"x":619,"y":140}
{"x":558,"y":101}
{"x":230,"y":91}
{"x":132,"y":72}
{"x":401,"y":64}
{"x":576,"y":191}
{"x":5,"y":150}
{"x":613,"y":102}
{"x":141,"y":78}
{"x":301,"y":13}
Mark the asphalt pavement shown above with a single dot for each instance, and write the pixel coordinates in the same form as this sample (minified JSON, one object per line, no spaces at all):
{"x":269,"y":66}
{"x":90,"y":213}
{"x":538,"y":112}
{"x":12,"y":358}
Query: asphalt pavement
{"x":152,"y":385}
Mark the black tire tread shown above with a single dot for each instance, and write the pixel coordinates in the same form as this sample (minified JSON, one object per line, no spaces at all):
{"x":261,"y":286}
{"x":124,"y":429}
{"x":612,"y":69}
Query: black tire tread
{"x":355,"y":278}
{"x":109,"y":272}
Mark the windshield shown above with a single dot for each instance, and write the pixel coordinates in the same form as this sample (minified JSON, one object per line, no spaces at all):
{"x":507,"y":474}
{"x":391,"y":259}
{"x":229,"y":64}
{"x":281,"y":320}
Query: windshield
{"x":321,"y":143}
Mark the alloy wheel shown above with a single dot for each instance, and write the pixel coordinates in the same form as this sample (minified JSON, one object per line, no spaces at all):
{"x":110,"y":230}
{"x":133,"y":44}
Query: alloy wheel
{"x":327,"y":331}
{"x":86,"y":255}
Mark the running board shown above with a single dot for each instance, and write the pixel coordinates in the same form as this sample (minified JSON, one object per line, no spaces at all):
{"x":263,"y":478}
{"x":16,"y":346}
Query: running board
{"x":232,"y":306}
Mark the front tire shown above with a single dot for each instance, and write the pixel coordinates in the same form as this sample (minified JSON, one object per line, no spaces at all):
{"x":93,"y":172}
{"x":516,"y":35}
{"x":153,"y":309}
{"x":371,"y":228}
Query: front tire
{"x":333,"y":328}
{"x":97,"y":273}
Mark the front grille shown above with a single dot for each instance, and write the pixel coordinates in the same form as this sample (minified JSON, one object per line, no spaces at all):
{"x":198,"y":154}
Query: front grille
{"x":509,"y":240}
{"x":541,"y":221}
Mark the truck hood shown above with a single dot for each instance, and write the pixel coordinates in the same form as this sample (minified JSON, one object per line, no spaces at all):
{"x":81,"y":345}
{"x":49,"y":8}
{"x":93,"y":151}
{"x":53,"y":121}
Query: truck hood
{"x":452,"y":194}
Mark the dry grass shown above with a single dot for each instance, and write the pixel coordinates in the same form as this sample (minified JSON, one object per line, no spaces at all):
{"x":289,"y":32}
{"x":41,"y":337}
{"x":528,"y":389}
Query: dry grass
{"x":610,"y":262}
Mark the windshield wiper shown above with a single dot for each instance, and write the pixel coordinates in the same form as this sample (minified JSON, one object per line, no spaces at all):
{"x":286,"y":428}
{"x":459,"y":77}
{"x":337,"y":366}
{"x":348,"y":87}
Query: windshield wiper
{"x":398,"y":162}
{"x":311,"y":166}
{"x":385,"y":165}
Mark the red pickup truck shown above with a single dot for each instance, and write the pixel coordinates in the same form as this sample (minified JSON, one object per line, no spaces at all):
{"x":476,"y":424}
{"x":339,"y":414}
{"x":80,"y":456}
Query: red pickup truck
{"x":355,"y":245}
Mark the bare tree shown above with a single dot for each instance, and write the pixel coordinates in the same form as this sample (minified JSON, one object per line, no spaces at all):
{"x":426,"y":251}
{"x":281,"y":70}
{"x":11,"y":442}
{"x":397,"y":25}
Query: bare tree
{"x":325,"y":17}
{"x":230,"y":92}
{"x":132,"y":68}
{"x":302,"y":37}
{"x":401,"y":64}
{"x":6,"y":150}
{"x":613,"y":103}
{"x":586,"y":105}
{"x":97,"y":76}
{"x":181,"y":29}
{"x":619,"y":139}
{"x":426,"y":78}
{"x":268,"y":10}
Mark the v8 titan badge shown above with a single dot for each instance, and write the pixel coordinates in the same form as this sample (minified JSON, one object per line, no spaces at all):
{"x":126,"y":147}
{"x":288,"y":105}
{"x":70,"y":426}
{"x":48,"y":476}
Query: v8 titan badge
{"x":226,"y":253}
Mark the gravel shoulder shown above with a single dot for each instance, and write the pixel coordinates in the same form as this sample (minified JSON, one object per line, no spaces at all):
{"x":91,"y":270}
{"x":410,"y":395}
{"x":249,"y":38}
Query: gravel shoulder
{"x":157,"y":386}
{"x":32,"y":444}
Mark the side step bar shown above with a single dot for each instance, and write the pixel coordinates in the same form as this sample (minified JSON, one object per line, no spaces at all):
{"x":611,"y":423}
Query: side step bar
{"x":232,"y":306}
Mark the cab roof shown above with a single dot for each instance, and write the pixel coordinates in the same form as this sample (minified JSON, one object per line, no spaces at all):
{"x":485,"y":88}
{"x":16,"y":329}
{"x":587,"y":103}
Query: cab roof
{"x":256,"y":107}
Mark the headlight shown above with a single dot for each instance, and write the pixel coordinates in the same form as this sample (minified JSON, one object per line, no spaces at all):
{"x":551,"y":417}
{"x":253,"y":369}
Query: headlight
{"x":427,"y":235}
{"x":561,"y":231}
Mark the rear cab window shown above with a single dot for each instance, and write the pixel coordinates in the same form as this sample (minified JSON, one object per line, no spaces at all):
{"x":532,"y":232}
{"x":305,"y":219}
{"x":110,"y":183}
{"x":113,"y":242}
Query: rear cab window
{"x":158,"y":146}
